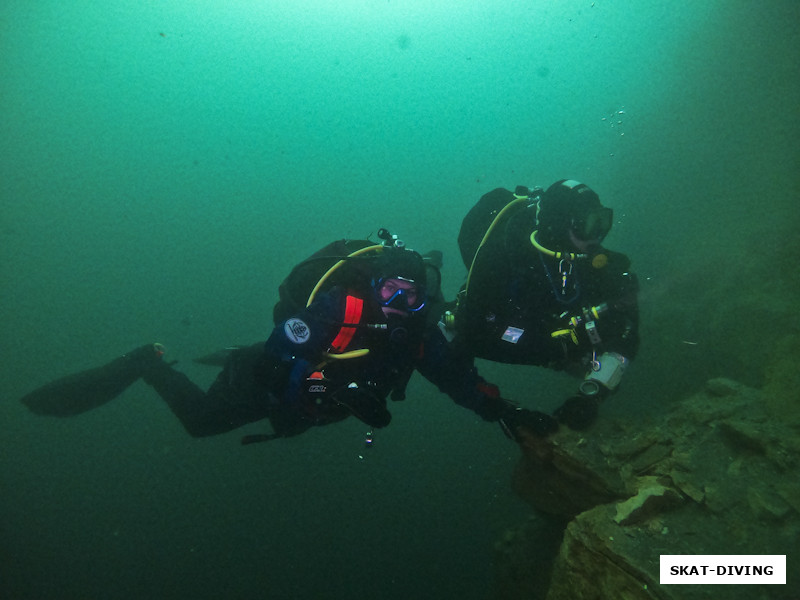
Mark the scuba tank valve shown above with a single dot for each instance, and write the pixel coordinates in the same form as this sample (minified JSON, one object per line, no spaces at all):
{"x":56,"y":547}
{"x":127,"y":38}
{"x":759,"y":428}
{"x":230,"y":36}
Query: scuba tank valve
{"x":390,"y":240}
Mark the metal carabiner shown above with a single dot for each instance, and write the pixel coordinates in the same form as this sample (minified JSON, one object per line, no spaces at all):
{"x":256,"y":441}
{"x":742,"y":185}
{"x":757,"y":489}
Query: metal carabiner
{"x":564,"y":274}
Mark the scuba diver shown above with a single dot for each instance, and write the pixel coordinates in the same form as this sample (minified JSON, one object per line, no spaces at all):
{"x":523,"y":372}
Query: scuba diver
{"x":351,"y":326}
{"x":542,"y":290}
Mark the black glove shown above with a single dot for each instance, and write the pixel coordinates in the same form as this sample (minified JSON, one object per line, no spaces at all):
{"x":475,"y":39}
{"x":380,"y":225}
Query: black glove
{"x":578,"y":412}
{"x":538,"y":423}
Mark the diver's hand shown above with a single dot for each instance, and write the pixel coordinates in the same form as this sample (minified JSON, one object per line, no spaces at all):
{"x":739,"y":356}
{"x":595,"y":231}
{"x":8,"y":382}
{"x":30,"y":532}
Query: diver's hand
{"x":538,"y":423}
{"x":578,"y":412}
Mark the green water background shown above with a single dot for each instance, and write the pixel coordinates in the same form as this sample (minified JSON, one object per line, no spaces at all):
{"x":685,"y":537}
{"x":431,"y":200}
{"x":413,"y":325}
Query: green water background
{"x":163,"y":164}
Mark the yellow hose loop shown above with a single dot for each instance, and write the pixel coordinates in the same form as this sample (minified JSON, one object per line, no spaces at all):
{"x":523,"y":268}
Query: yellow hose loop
{"x":560,"y":333}
{"x":346,"y":355}
{"x":554,"y":254}
{"x":329,"y":272}
{"x":495,"y":221}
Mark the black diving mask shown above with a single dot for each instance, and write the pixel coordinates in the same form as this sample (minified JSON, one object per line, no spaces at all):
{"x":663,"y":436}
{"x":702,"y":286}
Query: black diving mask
{"x":594,"y":226}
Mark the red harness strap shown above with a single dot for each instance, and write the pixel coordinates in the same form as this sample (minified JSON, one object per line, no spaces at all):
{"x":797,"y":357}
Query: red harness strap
{"x":352,"y":315}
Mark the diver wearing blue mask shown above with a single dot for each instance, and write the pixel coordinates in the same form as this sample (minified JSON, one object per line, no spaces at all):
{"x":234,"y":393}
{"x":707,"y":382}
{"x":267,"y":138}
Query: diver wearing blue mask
{"x":353,"y":342}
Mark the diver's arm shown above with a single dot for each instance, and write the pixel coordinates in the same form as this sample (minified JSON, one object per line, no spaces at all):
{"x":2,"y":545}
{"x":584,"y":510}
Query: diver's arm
{"x":611,"y":357}
{"x":620,"y":339}
{"x":455,"y":375}
{"x":624,"y":317}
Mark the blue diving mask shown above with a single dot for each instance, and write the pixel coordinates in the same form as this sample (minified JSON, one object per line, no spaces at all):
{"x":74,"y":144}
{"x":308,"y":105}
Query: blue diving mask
{"x":400,"y":294}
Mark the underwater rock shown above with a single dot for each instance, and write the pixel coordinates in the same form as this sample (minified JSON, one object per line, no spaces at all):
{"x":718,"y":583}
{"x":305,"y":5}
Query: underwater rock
{"x":782,"y":380}
{"x":525,"y":558}
{"x":597,"y":560}
{"x":557,"y":476}
{"x":723,"y":387}
{"x":651,"y":500}
{"x":718,"y":475}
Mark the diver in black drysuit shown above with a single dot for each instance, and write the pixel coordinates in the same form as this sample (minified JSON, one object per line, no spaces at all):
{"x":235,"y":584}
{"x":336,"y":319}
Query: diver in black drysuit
{"x":343,"y":355}
{"x":542,"y":290}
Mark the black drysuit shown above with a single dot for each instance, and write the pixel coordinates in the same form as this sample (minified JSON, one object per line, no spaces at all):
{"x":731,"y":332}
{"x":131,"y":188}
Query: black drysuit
{"x":518,"y":296}
{"x":311,"y":371}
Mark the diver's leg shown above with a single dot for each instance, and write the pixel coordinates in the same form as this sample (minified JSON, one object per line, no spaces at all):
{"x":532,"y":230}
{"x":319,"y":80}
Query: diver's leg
{"x":288,"y":422}
{"x":80,"y":392}
{"x":236,"y":398}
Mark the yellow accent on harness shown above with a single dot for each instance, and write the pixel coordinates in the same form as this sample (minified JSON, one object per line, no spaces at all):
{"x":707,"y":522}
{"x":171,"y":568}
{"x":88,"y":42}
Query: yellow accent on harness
{"x":577,"y":320}
{"x":564,"y":333}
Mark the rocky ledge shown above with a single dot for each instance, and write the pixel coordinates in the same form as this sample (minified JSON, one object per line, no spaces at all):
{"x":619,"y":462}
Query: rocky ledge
{"x":719,"y":475}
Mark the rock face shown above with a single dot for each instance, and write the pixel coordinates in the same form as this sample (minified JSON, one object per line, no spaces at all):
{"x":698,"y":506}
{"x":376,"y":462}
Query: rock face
{"x":720,"y":475}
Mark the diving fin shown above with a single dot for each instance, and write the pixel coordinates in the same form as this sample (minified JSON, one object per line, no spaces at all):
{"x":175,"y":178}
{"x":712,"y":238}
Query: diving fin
{"x":81,"y":392}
